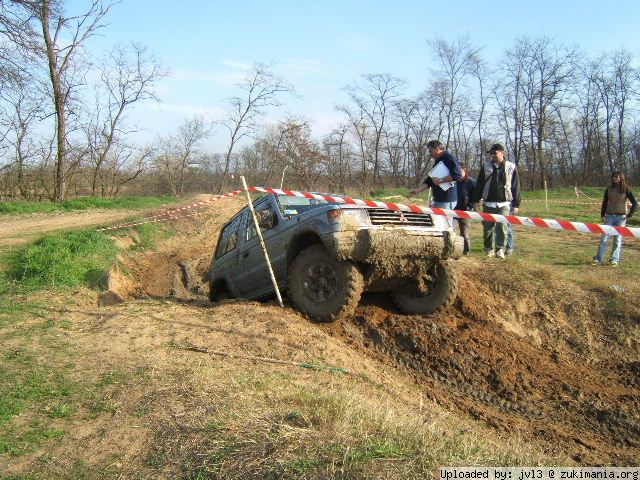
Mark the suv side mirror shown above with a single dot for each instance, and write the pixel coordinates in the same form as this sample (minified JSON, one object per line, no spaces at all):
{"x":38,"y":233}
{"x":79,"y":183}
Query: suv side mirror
{"x":266,"y":219}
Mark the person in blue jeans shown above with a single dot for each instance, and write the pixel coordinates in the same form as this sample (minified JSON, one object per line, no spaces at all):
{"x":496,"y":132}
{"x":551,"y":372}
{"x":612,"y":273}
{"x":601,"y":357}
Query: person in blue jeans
{"x":614,"y":212}
{"x":498,"y":186}
{"x":445,"y":199}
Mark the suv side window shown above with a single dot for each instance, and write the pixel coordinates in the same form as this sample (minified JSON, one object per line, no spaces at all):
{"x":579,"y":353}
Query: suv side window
{"x":263,"y":210}
{"x":229,"y":237}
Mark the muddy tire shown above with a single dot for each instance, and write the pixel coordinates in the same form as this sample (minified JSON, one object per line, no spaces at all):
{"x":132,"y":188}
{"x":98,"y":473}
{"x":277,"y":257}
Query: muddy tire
{"x":441,"y":293}
{"x":219,"y":292}
{"x":322,"y":287}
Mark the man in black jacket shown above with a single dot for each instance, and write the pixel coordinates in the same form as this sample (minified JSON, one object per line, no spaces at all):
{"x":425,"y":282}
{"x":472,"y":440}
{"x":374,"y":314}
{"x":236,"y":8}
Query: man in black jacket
{"x":442,"y":198}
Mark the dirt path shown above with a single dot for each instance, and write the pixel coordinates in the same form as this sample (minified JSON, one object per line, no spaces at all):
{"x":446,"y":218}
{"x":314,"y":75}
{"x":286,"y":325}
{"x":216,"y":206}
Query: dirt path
{"x":16,"y":230}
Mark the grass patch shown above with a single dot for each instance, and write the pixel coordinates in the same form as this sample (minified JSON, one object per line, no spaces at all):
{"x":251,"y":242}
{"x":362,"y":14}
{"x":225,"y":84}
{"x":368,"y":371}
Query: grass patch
{"x":86,"y":203}
{"x":19,"y":442}
{"x":26,"y":384}
{"x":303,"y":431}
{"x":67,"y":259}
{"x":146,"y":238}
{"x":30,"y":390}
{"x":13,"y":311}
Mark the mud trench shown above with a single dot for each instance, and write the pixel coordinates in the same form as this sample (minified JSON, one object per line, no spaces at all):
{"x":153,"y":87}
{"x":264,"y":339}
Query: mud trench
{"x":588,"y":413}
{"x":551,"y":390}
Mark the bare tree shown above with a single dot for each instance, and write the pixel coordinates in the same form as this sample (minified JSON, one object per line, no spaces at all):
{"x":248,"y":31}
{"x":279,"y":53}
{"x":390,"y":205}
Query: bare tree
{"x":180,"y":152}
{"x":19,"y":111}
{"x":372,"y":100}
{"x":339,"y":152}
{"x":261,"y":89}
{"x":457,"y":60}
{"x":58,"y":39}
{"x":128,"y":75}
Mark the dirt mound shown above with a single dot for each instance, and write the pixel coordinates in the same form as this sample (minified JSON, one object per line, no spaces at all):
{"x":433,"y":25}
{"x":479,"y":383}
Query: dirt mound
{"x":528,"y":355}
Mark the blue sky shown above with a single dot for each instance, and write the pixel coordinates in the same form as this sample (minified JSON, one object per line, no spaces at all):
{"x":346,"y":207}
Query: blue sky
{"x":323,"y":45}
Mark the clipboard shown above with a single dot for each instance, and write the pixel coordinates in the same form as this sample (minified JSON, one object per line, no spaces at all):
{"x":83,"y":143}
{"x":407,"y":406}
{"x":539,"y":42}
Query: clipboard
{"x":440,"y":170}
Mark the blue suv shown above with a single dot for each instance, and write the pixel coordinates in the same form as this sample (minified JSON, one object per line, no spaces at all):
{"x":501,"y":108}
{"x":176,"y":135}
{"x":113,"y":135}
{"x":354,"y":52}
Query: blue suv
{"x":325,"y":255}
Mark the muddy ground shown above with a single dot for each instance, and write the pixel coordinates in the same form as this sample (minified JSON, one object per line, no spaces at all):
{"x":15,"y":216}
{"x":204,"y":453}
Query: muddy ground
{"x":527,"y":355}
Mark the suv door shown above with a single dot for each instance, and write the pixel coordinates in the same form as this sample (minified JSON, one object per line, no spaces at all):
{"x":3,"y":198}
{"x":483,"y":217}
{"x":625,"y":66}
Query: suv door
{"x":253,"y":276}
{"x":225,"y":263}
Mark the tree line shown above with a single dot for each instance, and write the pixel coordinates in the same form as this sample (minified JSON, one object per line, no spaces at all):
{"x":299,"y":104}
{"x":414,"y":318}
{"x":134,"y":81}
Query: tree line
{"x":564,"y":117}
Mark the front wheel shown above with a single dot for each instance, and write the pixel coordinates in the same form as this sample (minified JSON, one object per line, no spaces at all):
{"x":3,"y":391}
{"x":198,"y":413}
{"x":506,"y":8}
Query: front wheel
{"x":323,"y":287}
{"x":439,"y":292}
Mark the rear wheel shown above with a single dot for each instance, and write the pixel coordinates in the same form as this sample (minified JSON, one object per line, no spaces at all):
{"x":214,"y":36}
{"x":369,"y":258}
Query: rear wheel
{"x":219,"y":291}
{"x":323,"y":287}
{"x":440,"y":288}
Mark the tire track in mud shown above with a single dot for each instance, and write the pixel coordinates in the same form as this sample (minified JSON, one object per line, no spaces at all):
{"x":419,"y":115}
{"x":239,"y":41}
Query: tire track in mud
{"x":473,"y":366}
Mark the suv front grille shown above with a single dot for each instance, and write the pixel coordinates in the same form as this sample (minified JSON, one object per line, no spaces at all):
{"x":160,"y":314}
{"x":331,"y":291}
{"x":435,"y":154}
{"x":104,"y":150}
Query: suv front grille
{"x":393,"y":217}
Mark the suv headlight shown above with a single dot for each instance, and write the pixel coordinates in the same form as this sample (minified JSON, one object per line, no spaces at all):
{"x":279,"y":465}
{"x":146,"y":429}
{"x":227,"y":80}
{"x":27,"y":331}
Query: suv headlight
{"x":348,"y":217}
{"x":360,"y":215}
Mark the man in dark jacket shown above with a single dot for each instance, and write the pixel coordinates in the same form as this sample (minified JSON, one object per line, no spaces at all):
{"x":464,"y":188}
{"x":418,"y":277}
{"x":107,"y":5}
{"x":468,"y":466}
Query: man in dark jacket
{"x":446,"y":197}
{"x":465,"y":186}
{"x":498,"y":185}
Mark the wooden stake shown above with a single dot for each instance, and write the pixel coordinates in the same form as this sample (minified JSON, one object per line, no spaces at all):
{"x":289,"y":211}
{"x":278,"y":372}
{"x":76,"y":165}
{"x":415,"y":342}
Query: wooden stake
{"x":264,"y":247}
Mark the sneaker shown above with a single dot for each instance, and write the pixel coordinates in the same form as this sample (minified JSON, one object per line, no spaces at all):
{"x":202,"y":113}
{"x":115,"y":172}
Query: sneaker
{"x":489,"y":253}
{"x":508,"y":251}
{"x":613,"y":263}
{"x":595,"y":262}
{"x":465,"y":252}
{"x":500,"y":254}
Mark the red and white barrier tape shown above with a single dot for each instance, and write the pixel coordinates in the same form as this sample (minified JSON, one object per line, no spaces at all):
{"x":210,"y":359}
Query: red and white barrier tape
{"x":490,"y":217}
{"x":170,"y":214}
{"x":562,"y":201}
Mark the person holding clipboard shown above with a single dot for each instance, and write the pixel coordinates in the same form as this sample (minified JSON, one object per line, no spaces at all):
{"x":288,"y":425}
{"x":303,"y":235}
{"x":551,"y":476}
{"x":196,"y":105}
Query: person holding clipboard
{"x":442,"y":178}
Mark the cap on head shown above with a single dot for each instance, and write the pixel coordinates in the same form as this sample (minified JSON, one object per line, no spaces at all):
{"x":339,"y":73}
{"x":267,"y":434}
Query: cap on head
{"x":496,"y":147}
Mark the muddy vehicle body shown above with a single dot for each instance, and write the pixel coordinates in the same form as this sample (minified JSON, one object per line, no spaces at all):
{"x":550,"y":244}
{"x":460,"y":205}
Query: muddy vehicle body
{"x":325,"y":255}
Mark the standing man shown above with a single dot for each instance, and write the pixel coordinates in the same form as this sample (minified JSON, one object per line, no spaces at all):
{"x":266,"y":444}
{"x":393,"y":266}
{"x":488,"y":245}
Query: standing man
{"x":498,"y":185}
{"x":442,"y":198}
{"x":465,"y":186}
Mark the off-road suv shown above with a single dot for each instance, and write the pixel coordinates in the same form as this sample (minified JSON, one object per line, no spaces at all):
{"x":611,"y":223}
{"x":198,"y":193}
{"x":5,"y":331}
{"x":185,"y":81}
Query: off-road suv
{"x":325,"y":254}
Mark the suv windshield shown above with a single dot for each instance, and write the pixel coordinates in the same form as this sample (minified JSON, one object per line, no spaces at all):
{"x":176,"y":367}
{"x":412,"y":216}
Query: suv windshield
{"x":291,"y":205}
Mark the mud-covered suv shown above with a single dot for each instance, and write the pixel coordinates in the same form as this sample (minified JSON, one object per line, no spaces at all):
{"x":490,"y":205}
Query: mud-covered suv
{"x":326,"y":254}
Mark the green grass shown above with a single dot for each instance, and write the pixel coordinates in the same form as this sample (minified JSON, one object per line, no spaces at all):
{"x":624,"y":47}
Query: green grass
{"x":147,"y":237}
{"x":85,"y":203}
{"x":30,"y":389}
{"x":67,"y":259}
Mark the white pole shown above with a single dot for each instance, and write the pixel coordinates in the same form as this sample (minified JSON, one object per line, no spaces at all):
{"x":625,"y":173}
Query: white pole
{"x":546,"y":196}
{"x":282,"y":179}
{"x":264,"y":247}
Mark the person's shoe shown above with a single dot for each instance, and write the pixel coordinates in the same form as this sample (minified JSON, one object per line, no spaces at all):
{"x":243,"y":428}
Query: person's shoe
{"x":595,"y":262}
{"x":613,"y":263}
{"x":466,"y":252}
{"x":508,"y":251}
{"x":489,"y":253}
{"x":500,"y":254}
